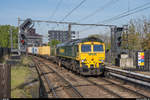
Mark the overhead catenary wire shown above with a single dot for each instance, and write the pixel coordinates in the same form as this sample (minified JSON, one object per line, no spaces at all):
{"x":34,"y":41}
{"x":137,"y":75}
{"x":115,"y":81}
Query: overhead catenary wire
{"x":127,"y":13}
{"x":111,"y":2}
{"x":68,"y":14}
{"x":131,"y":13}
{"x":57,"y":6}
{"x":124,"y":14}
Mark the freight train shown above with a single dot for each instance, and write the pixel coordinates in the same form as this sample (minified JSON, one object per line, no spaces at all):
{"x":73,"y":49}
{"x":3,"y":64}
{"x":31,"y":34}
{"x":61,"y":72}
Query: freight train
{"x":84,"y":56}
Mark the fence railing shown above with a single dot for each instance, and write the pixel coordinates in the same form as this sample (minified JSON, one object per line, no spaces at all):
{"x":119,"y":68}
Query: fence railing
{"x":4,"y":51}
{"x":5,"y":81}
{"x":147,"y":60}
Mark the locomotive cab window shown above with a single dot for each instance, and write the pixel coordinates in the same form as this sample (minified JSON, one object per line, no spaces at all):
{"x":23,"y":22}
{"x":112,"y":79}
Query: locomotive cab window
{"x":98,"y":48}
{"x":86,"y":48}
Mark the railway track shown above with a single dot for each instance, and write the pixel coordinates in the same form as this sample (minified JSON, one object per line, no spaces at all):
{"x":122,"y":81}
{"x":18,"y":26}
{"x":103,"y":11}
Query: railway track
{"x":99,"y":86}
{"x":108,"y":82}
{"x":129,"y":74}
{"x":126,"y":88}
{"x":72,"y":91}
{"x":41,"y":73}
{"x":102,"y":87}
{"x":94,"y":82}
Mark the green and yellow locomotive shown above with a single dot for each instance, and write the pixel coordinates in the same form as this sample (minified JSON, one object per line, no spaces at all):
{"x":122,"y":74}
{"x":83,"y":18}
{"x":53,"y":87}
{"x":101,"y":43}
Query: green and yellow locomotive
{"x":84,"y":56}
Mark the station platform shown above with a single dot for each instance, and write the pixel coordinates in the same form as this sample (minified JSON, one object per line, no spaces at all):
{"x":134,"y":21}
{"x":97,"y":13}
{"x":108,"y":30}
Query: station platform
{"x":145,"y":73}
{"x":128,"y":69}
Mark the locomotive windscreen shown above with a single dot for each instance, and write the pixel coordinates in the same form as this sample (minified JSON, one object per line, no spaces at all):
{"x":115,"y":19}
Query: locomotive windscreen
{"x":86,"y":48}
{"x":98,"y":48}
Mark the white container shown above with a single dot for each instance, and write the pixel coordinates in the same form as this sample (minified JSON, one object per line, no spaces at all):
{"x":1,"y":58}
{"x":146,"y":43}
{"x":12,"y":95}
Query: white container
{"x":29,"y":49}
{"x":35,"y":50}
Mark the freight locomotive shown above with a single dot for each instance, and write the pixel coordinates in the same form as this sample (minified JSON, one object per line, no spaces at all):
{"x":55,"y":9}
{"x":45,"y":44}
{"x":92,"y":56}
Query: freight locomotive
{"x":84,"y":56}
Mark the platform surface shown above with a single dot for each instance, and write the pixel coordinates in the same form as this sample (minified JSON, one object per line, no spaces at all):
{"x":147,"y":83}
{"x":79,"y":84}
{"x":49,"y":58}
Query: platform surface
{"x":133,"y":70}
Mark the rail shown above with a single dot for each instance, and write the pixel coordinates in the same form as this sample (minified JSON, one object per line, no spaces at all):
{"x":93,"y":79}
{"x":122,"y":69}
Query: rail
{"x":102,"y":87}
{"x":129,"y":76}
{"x":51,"y":88}
{"x":74,"y":89}
{"x":125,"y":88}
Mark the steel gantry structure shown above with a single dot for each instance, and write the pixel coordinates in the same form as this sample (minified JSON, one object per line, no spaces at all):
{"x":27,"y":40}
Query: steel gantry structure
{"x":68,"y":23}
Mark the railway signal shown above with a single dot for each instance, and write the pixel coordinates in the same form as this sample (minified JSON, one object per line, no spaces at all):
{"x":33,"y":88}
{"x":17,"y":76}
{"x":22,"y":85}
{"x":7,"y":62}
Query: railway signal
{"x":23,"y":39}
{"x":119,"y":39}
{"x":23,"y":28}
{"x":26,"y":24}
{"x":118,"y":32}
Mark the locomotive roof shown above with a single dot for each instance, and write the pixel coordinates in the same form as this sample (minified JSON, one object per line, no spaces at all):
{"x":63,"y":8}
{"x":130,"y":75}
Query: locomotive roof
{"x":76,"y":41}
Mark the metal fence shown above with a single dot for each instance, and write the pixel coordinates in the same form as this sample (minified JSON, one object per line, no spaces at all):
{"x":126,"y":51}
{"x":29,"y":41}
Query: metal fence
{"x":4,"y":51}
{"x":5,"y":81}
{"x":147,"y":60}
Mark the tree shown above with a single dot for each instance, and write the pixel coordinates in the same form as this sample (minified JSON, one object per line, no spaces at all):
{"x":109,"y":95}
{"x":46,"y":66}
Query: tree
{"x":53,"y":43}
{"x":5,"y":36}
{"x":139,"y":34}
{"x":146,"y":42}
{"x":132,"y":40}
{"x":48,"y":43}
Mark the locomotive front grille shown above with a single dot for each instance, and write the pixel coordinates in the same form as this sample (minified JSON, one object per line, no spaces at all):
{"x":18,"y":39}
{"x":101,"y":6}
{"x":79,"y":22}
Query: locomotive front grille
{"x":92,"y":67}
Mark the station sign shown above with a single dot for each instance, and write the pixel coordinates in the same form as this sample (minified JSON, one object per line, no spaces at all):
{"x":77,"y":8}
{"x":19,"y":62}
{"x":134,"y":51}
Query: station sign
{"x":140,"y":59}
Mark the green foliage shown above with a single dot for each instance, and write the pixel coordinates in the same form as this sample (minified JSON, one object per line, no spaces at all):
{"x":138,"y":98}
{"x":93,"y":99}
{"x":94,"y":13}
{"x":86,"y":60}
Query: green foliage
{"x":53,"y":51}
{"x":5,"y":35}
{"x":138,"y":35}
{"x":53,"y":43}
{"x":133,"y":40}
{"x":21,"y":74}
{"x":146,"y":42}
{"x":48,"y":43}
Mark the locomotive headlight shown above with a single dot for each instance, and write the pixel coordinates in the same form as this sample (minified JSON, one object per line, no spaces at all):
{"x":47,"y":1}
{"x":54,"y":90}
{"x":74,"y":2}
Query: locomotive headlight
{"x":83,"y":60}
{"x":101,"y":60}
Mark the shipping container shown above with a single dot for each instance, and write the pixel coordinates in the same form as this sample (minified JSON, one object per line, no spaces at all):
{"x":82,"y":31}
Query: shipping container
{"x":46,"y":50}
{"x":35,"y":50}
{"x":29,"y":50}
{"x":40,"y":50}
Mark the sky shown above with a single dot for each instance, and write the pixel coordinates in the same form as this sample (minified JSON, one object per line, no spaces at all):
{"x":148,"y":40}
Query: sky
{"x":56,"y":10}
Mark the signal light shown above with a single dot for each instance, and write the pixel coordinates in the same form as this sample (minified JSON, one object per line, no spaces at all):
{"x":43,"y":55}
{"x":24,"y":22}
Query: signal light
{"x":23,"y":39}
{"x":23,"y":42}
